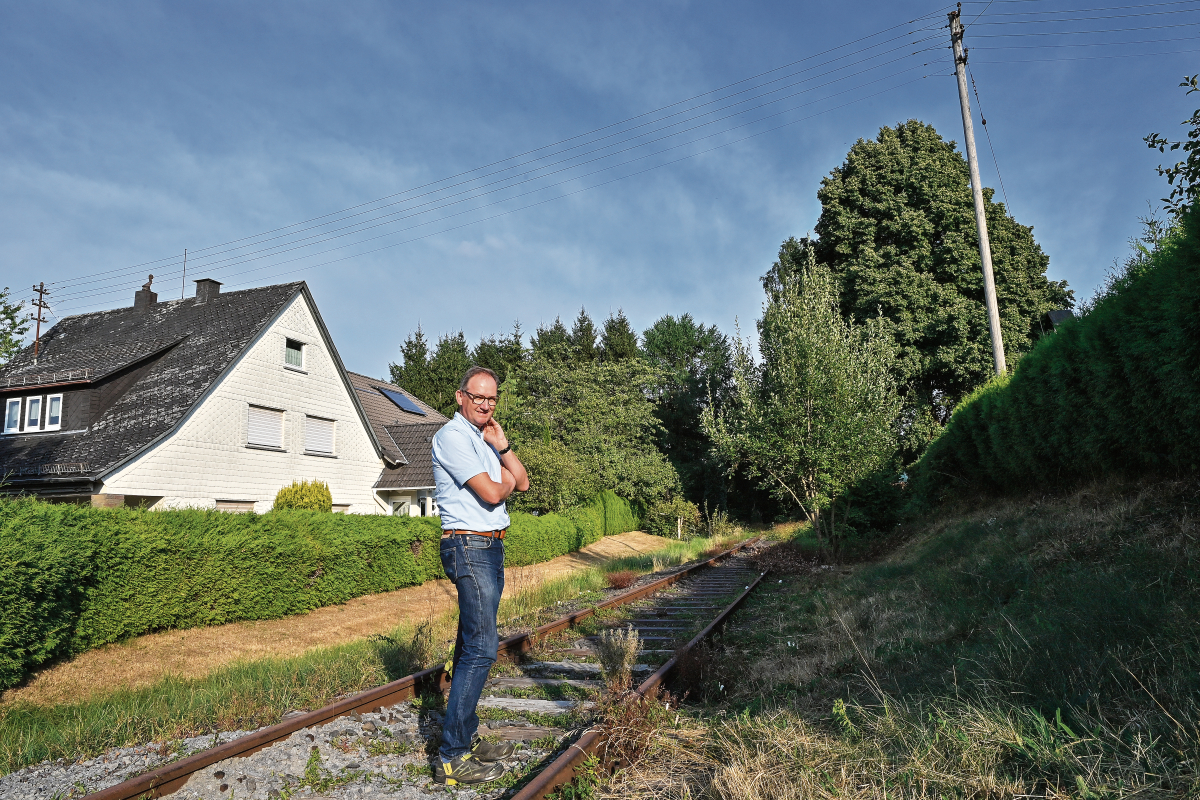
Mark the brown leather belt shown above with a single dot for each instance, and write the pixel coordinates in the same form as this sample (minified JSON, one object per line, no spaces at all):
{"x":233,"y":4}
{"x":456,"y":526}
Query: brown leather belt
{"x":489,"y":534}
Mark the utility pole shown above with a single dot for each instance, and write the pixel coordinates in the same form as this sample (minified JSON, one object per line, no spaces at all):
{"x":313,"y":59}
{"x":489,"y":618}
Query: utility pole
{"x":985,"y":246}
{"x":183,"y":283}
{"x":41,"y":305}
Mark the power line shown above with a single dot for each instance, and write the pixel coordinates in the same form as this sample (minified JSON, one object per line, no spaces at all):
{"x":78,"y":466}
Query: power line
{"x":589,"y":188}
{"x":359,"y":226}
{"x":553,"y":144}
{"x":983,"y":119}
{"x":277,"y":250}
{"x":1080,"y":58}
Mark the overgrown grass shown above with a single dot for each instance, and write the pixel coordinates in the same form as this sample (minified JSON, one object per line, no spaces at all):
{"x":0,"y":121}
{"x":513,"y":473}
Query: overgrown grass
{"x":256,"y":693}
{"x":1034,"y":646}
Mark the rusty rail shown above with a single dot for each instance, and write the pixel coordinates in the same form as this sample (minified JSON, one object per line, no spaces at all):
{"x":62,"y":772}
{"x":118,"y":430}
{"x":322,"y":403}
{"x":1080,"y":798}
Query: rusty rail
{"x":170,"y":777}
{"x":567,"y":765}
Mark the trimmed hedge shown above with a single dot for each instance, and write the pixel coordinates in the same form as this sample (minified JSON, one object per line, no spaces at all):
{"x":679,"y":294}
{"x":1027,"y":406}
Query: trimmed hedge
{"x":1116,"y":392}
{"x":73,"y":577}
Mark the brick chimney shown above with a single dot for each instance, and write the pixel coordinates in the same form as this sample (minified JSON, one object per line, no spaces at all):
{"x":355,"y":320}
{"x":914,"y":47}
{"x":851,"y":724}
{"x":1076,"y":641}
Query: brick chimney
{"x":144,"y":298}
{"x":207,"y":289}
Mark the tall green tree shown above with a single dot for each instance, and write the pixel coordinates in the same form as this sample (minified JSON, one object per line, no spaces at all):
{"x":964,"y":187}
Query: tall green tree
{"x":435,"y":378}
{"x":819,"y":413}
{"x":501,"y":354}
{"x":897,"y":229}
{"x":618,"y":341}
{"x":583,"y":338}
{"x":696,"y":365}
{"x":13,"y":327}
{"x":588,"y":426}
{"x":553,"y":340}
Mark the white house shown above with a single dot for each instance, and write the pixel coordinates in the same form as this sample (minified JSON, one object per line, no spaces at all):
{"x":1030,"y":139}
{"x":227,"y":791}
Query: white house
{"x":214,"y":401}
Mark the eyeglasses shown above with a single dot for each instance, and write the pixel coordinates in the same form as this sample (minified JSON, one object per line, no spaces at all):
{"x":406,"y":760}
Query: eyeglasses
{"x":479,"y":400}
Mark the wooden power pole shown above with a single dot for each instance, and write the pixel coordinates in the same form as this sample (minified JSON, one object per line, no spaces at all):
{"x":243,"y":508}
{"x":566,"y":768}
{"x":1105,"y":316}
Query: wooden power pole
{"x":41,"y":305}
{"x":985,"y":246}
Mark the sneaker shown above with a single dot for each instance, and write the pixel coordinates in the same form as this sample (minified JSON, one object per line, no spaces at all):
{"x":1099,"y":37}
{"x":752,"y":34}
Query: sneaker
{"x":488,"y":752}
{"x":465,"y":770}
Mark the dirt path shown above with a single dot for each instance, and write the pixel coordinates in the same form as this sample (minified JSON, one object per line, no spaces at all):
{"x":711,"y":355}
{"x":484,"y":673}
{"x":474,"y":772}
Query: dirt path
{"x":193,"y":653}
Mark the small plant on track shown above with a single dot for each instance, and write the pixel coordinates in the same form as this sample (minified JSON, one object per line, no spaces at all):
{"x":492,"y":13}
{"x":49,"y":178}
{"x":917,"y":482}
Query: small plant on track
{"x":617,"y":650}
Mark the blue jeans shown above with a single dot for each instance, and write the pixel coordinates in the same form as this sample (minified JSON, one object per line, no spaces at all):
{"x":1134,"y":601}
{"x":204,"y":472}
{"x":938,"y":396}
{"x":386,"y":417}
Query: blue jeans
{"x":475,"y":565}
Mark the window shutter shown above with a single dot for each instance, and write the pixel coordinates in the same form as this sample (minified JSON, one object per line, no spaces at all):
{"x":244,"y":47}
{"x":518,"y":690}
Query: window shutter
{"x":318,"y":435}
{"x":264,"y":427}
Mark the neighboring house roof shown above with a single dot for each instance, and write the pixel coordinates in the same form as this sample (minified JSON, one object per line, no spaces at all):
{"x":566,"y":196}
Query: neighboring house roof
{"x":174,"y":352}
{"x":405,"y":437}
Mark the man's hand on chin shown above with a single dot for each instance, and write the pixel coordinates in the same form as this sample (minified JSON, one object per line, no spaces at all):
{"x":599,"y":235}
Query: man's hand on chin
{"x":493,"y":434}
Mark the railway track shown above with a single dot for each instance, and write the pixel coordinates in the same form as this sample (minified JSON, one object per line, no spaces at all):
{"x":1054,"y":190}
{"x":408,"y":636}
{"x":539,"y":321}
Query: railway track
{"x":377,"y":743}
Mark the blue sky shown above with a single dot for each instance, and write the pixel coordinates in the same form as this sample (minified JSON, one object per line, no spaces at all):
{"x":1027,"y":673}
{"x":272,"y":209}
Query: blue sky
{"x":130,"y":131}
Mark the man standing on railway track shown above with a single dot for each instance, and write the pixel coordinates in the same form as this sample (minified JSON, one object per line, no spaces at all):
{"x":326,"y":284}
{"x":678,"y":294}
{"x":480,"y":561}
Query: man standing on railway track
{"x":475,"y":470}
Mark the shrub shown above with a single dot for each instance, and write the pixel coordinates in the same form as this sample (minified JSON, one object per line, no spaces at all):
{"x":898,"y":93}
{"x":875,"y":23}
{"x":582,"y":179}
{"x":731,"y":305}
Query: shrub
{"x":305,"y":496}
{"x":621,"y":579}
{"x":73,"y":577}
{"x":675,"y":518}
{"x":1116,"y":392}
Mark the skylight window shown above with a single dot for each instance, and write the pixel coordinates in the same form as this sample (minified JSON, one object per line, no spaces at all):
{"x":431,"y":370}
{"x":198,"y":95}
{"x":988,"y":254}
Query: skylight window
{"x":294,"y":355}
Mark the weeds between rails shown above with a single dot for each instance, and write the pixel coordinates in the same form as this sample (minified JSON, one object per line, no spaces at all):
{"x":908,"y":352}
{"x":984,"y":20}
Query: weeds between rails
{"x":257,"y":693}
{"x":1038,"y":646}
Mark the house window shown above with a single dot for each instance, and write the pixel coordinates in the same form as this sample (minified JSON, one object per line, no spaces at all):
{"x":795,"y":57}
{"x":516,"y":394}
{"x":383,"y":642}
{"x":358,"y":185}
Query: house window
{"x":54,"y":404}
{"x":341,"y":508}
{"x":12,"y":415}
{"x":235,"y":506}
{"x":294,"y":354}
{"x":264,"y":428}
{"x":33,"y":414}
{"x":318,"y":436}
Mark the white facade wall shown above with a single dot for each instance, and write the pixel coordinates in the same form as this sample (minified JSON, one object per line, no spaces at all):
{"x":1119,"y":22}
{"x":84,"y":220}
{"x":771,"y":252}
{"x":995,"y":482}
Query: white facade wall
{"x":207,"y":459}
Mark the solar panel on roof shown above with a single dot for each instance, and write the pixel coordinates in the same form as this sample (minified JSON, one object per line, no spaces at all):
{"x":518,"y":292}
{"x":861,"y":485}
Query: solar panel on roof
{"x":402,"y":401}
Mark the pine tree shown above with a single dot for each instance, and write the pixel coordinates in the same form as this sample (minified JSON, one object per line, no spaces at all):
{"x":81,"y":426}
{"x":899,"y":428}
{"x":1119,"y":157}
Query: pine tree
{"x":618,"y":342}
{"x":583,"y":338}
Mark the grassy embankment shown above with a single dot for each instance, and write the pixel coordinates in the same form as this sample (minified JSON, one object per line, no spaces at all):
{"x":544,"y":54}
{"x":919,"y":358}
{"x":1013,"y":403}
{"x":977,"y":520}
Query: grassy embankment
{"x":1034,"y":646}
{"x":252,"y":694}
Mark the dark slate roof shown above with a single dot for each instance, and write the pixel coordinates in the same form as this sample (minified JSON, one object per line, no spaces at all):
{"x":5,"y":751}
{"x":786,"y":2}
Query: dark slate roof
{"x":416,"y":442}
{"x":404,"y":436}
{"x":187,"y":345}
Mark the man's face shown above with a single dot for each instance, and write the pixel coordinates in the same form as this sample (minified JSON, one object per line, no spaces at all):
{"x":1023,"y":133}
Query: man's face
{"x":481,"y":386}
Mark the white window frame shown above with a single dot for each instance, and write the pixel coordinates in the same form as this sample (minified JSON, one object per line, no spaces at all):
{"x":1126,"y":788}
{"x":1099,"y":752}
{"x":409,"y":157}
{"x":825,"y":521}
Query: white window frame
{"x":8,"y":404}
{"x":308,"y":451}
{"x":49,"y":400}
{"x":303,"y":365}
{"x":250,"y":409}
{"x":41,"y":401}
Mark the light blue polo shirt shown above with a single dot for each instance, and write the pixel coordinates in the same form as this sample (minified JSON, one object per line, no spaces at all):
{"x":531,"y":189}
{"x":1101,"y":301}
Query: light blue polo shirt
{"x":459,"y":454}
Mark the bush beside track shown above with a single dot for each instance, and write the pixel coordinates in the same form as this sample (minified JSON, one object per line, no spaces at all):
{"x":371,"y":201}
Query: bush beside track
{"x":73,"y":578}
{"x":1116,"y":392}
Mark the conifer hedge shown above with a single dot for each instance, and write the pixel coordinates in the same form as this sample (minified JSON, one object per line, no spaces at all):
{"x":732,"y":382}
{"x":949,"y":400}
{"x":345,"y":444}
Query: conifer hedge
{"x":73,"y":577}
{"x":1116,"y":392}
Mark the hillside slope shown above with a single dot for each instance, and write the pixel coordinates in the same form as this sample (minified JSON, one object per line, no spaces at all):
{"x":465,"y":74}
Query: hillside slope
{"x":1032,"y":646}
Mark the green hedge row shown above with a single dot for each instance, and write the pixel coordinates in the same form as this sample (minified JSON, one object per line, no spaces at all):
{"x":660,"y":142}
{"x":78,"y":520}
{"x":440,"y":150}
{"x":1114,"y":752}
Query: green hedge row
{"x":73,"y":578}
{"x":1116,"y":392}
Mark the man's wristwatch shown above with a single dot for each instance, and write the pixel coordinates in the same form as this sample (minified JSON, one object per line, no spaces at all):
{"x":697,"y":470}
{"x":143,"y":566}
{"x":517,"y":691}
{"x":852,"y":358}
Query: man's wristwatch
{"x":505,"y":450}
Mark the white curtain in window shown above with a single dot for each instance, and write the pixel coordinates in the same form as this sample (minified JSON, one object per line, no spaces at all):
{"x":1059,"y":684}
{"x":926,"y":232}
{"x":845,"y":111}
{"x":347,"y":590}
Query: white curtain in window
{"x":265,"y":427}
{"x":318,"y":435}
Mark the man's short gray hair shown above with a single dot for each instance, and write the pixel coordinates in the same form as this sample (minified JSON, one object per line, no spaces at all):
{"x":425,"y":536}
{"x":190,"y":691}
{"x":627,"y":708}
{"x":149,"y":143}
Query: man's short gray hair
{"x":472,"y":372}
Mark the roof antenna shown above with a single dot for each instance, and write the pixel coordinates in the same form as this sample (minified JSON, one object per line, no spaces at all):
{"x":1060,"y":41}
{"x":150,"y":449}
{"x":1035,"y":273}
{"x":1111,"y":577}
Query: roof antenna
{"x":183,"y":282}
{"x":41,"y":305}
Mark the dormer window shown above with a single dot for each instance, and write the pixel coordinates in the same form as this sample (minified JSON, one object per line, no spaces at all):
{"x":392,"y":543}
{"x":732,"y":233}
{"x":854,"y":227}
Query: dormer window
{"x":12,"y":415}
{"x":54,"y":405}
{"x":294,"y":354}
{"x":33,"y":414}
